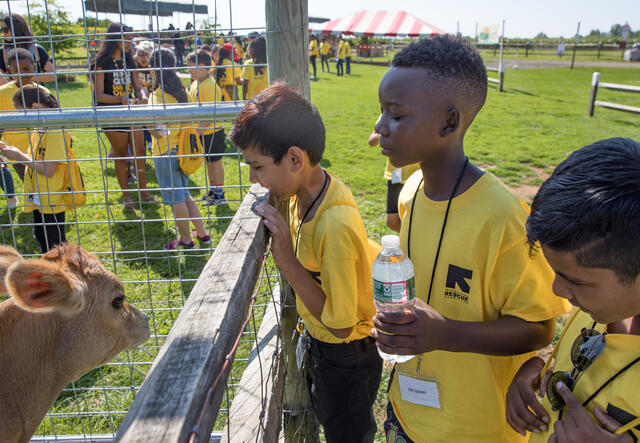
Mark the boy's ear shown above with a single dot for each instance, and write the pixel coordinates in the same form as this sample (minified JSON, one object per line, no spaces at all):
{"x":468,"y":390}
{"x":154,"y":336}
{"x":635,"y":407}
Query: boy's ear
{"x":451,"y":123}
{"x":296,"y":158}
{"x":43,"y":286}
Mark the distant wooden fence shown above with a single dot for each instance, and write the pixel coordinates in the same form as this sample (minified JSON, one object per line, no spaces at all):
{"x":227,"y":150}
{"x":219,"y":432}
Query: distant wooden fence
{"x":170,"y":402}
{"x":500,"y":80}
{"x":595,"y":84}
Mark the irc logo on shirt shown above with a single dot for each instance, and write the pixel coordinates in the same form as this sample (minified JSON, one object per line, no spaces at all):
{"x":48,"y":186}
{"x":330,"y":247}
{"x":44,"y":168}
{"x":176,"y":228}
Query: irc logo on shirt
{"x":457,"y":287}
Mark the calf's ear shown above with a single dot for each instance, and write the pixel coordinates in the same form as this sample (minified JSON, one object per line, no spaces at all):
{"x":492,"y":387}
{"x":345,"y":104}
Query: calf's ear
{"x":8,"y":256}
{"x":42,"y":286}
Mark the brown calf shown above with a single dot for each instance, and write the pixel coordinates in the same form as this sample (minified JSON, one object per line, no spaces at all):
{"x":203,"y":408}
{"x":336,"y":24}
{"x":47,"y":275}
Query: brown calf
{"x":66,"y":315}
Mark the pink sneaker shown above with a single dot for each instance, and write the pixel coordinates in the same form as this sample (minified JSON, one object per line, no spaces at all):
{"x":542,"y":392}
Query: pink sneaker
{"x":175,"y":244}
{"x":205,"y":240}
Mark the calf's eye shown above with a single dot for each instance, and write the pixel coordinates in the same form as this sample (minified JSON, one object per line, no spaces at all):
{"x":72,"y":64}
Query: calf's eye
{"x":117,"y":302}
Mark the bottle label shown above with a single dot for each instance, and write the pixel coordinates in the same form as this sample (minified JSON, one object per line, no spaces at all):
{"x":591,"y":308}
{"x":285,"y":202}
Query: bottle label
{"x":394,"y":292}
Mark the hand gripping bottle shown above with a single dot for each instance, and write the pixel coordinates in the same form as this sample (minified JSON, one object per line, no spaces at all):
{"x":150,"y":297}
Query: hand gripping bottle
{"x":393,"y":285}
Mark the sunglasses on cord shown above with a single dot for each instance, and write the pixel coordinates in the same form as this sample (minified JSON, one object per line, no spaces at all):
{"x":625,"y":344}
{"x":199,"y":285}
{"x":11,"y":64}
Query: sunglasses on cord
{"x":586,"y":348}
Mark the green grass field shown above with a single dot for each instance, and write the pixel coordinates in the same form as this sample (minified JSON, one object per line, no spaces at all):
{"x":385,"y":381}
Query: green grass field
{"x":520,"y":135}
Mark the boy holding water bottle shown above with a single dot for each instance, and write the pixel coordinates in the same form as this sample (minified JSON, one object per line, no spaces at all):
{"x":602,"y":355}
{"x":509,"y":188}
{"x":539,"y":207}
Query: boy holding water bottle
{"x":483,"y":305}
{"x":323,"y":253}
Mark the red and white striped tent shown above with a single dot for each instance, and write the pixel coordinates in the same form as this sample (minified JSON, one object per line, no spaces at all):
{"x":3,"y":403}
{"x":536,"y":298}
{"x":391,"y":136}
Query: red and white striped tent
{"x":378,"y":23}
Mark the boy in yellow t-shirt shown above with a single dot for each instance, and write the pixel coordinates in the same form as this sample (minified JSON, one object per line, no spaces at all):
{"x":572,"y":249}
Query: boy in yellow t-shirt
{"x":46,"y":161}
{"x":313,"y":53}
{"x":584,"y":220}
{"x":340,"y":55}
{"x":347,"y":56}
{"x":322,"y":252}
{"x":324,"y":54}
{"x":482,"y":306}
{"x":205,"y":90}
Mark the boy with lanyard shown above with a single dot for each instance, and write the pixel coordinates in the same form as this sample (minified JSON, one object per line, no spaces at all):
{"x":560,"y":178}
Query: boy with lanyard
{"x":324,"y":54}
{"x":585,"y":219}
{"x":323,"y":252}
{"x":482,"y":304}
{"x":205,"y":90}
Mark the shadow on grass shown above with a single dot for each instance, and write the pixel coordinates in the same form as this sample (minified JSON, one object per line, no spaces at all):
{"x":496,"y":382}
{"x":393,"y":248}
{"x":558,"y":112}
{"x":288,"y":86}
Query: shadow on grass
{"x":519,"y":91}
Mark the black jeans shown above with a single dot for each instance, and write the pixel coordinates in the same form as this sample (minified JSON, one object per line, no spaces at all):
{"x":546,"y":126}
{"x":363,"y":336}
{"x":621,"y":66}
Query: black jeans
{"x":312,"y":59}
{"x":49,"y":229}
{"x":343,"y":381}
{"x":348,"y":60}
{"x":340,"y":67}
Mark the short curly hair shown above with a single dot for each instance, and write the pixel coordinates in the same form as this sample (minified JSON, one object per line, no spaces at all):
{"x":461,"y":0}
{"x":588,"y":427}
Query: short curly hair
{"x":454,"y":65}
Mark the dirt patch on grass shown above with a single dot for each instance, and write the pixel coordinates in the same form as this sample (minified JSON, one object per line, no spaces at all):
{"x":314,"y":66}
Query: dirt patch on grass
{"x":524,"y":191}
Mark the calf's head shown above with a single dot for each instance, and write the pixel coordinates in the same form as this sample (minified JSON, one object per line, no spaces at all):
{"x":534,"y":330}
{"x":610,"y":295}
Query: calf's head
{"x":93,"y":319}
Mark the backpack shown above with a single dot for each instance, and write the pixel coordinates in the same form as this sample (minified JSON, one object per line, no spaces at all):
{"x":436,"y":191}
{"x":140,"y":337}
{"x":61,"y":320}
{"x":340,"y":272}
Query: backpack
{"x":72,"y":180}
{"x":189,"y":146}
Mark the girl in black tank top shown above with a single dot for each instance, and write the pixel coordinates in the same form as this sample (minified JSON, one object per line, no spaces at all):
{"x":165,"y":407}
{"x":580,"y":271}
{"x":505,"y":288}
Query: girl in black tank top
{"x":121,"y":87}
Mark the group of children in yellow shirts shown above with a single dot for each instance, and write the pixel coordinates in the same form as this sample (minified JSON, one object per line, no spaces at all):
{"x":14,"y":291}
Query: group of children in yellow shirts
{"x":46,"y":153}
{"x":343,"y":55}
{"x":491,"y":274}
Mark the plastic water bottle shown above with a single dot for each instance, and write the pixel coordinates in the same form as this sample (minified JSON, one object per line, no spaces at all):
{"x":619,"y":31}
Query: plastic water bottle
{"x":393,"y":285}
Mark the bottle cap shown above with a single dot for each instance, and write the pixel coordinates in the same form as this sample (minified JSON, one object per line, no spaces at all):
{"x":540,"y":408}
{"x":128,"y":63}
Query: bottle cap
{"x":390,"y":241}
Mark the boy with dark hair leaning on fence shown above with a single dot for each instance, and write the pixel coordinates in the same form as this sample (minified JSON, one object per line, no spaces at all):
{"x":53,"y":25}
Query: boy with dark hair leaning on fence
{"x":586,"y":218}
{"x":482,"y":304}
{"x":323,"y":252}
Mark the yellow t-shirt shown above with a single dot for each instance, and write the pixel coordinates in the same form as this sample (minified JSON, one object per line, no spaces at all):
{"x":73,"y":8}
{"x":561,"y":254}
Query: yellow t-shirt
{"x":313,"y":48}
{"x":239,"y":49}
{"x":333,"y":246}
{"x":20,"y":138}
{"x":39,"y":189}
{"x":230,"y":73}
{"x":209,"y":92}
{"x":619,"y":399}
{"x":220,"y":41}
{"x":341,"y":50}
{"x":161,"y":145}
{"x":257,"y":82}
{"x":399,"y":175}
{"x":324,"y":48}
{"x":484,"y":272}
{"x":347,"y":49}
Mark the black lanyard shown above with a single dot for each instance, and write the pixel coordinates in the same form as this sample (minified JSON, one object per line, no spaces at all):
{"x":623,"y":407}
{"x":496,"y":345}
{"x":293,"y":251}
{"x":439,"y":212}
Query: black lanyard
{"x":315,"y":200}
{"x":444,"y":223}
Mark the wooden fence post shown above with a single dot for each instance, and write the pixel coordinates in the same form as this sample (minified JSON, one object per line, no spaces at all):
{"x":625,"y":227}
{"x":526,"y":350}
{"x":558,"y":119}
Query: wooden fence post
{"x":575,"y":46}
{"x":594,"y":90}
{"x":287,"y":42}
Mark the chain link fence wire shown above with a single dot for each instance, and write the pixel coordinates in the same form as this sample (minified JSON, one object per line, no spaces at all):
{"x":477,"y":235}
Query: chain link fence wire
{"x":127,"y":240}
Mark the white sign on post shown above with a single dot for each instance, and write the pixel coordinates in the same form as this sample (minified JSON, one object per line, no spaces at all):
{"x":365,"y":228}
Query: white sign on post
{"x":489,"y":35}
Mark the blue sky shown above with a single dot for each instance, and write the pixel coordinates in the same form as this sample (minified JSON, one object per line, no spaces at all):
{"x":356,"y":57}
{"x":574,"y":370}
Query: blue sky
{"x":523,"y":18}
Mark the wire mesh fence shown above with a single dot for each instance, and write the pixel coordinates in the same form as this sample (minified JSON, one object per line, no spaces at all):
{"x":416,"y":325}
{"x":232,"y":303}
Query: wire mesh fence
{"x":117,"y":144}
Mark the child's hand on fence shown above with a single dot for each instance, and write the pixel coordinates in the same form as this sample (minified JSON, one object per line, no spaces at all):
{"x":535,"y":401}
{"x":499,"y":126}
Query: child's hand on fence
{"x":280,"y":235}
{"x":422,"y":329}
{"x":524,"y":411}
{"x":577,"y":426}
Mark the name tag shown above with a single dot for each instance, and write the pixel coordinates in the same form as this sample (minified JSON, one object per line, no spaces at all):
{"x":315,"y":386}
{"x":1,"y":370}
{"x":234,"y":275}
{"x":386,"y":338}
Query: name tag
{"x":420,"y":392}
{"x":34,"y":199}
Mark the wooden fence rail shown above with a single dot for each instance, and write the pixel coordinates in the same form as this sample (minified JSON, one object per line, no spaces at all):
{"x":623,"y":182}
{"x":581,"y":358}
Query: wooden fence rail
{"x":173,"y":394}
{"x":595,"y":84}
{"x":500,"y":80}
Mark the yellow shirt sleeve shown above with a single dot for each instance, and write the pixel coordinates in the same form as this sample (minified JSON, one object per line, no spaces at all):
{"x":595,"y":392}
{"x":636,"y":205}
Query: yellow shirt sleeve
{"x":338,"y":249}
{"x":521,"y":285}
